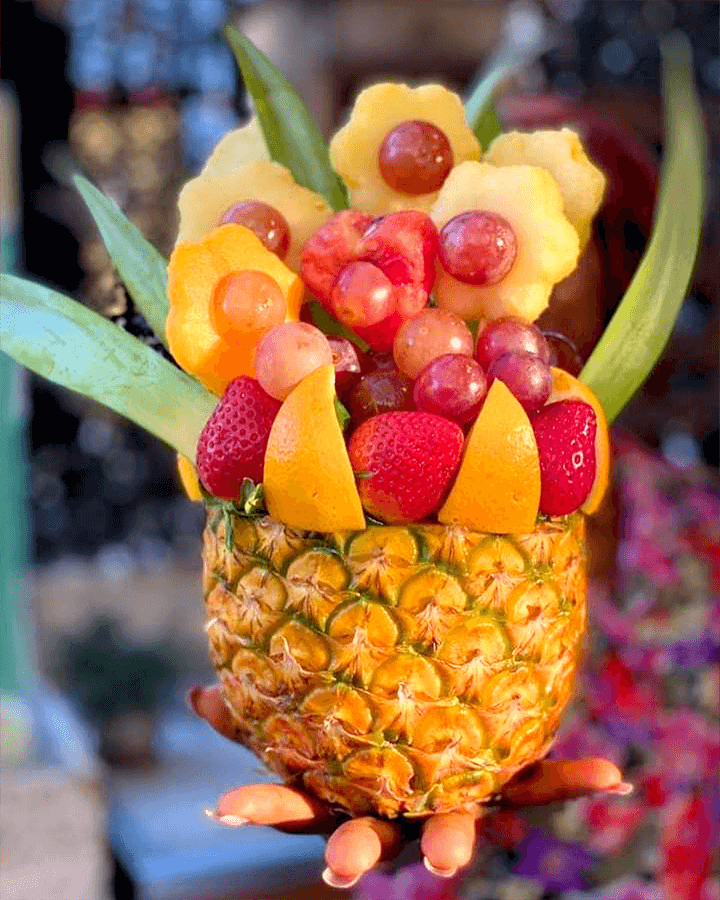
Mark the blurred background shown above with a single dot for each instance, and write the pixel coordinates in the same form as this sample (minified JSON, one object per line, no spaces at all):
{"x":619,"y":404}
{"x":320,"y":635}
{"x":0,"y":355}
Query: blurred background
{"x":137,"y":93}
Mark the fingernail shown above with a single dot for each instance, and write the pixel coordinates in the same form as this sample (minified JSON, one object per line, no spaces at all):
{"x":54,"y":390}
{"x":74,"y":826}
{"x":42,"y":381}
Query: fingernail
{"x":623,"y":789}
{"x":441,"y":873}
{"x":341,"y":882}
{"x":229,"y":821}
{"x":192,"y":697}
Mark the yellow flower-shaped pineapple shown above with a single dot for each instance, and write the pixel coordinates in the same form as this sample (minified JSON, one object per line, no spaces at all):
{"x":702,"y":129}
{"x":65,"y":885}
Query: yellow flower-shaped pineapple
{"x":581,"y":183}
{"x":386,"y":123}
{"x":529,"y":198}
{"x":232,"y":175}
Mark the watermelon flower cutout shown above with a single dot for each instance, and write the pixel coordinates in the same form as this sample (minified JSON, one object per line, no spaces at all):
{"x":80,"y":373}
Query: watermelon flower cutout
{"x":399,"y":145}
{"x":529,"y":201}
{"x":240,"y":184}
{"x":582,"y":183}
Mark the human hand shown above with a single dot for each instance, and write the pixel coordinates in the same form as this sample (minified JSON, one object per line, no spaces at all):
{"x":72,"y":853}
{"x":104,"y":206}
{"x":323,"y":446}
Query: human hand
{"x":447,"y":840}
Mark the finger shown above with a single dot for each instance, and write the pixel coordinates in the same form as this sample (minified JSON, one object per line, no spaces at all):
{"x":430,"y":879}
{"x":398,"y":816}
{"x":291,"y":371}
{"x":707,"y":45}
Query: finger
{"x":355,"y":847}
{"x":553,"y":780}
{"x":278,"y":805}
{"x":447,"y":842}
{"x":208,"y":703}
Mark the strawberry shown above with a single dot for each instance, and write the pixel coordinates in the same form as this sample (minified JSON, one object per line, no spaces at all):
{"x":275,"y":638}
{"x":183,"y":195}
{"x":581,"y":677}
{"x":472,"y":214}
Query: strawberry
{"x":405,"y":462}
{"x":565,"y":434}
{"x":330,"y":249}
{"x":233,"y":441}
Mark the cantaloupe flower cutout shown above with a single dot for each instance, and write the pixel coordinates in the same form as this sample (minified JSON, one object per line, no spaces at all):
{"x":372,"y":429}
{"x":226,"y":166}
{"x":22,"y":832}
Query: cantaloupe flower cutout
{"x":400,"y":144}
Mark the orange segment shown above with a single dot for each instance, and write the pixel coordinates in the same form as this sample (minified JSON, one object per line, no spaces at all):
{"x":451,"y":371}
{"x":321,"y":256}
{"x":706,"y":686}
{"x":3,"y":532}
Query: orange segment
{"x":308,"y":480}
{"x":565,"y":387}
{"x":188,"y":478}
{"x":194,"y":273}
{"x":497,"y":488}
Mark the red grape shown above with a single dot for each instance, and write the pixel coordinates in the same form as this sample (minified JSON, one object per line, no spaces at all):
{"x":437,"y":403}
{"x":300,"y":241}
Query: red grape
{"x":265,"y":221}
{"x":527,"y":377}
{"x":347,"y":365}
{"x":362,"y":295}
{"x":452,"y":386}
{"x":563,"y":352}
{"x":288,"y":353}
{"x":510,"y":335}
{"x":247,"y":302}
{"x":429,"y":334}
{"x":379,"y":392}
{"x":478,"y":247}
{"x":415,"y":158}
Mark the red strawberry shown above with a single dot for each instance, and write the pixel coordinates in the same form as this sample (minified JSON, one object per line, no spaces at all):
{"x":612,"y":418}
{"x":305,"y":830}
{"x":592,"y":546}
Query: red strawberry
{"x":565,"y":434}
{"x":406,"y":461}
{"x":233,"y":441}
{"x":329,"y":249}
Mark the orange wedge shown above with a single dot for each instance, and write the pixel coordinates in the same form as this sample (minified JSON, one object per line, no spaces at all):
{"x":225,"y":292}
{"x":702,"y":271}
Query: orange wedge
{"x":566,"y":387}
{"x":308,"y":480}
{"x":497,"y":488}
{"x":189,"y":478}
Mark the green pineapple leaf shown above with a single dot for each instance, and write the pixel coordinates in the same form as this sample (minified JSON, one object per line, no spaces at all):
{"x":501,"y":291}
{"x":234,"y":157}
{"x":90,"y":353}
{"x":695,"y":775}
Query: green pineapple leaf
{"x":291,"y":135}
{"x":342,"y":414}
{"x":330,"y":326}
{"x":642,"y":324}
{"x":141,"y":268}
{"x":66,"y":342}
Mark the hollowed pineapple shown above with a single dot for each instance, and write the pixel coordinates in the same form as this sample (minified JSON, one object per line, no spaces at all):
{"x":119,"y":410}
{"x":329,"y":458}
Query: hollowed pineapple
{"x":395,"y":670}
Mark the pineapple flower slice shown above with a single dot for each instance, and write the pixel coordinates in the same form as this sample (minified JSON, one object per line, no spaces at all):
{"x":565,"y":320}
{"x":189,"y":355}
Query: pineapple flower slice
{"x":239,"y":169}
{"x":582,"y":184}
{"x":355,"y":148}
{"x":547,"y":243}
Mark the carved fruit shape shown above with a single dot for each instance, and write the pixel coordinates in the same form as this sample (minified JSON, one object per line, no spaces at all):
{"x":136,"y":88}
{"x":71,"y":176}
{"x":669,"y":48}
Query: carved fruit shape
{"x":529,"y":198}
{"x":205,"y":199}
{"x":308,"y":480}
{"x":581,"y":182}
{"x":497,"y":488}
{"x":196,"y":275}
{"x":355,"y":149}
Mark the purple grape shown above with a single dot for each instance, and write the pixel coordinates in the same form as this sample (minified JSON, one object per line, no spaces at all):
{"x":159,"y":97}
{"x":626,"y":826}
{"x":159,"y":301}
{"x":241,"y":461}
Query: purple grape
{"x":452,"y":386}
{"x":527,"y":376}
{"x":509,"y":335}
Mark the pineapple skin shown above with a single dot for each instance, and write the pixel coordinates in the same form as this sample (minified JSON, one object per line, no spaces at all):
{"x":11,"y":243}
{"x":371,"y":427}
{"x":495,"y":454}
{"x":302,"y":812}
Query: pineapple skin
{"x":400,"y":670}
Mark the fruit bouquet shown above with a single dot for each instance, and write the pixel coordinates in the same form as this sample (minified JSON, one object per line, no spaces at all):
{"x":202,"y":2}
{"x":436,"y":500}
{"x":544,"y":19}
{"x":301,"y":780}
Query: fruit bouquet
{"x":396,"y":468}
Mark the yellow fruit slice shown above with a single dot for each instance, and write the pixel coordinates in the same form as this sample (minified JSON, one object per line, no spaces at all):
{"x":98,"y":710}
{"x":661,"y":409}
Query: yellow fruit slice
{"x":565,"y":387}
{"x":497,"y":488}
{"x":308,"y":480}
{"x":581,"y":183}
{"x":188,"y":478}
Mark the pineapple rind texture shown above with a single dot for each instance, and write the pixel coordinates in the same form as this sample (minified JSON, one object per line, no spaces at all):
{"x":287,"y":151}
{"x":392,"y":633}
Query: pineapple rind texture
{"x":396,"y":670}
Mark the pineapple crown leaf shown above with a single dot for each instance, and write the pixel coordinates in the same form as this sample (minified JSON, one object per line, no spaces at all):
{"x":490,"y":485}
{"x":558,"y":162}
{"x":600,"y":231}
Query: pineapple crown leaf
{"x":641,"y":326}
{"x":141,"y":267}
{"x":342,"y":414}
{"x":73,"y":346}
{"x":322,"y":320}
{"x":291,"y":135}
